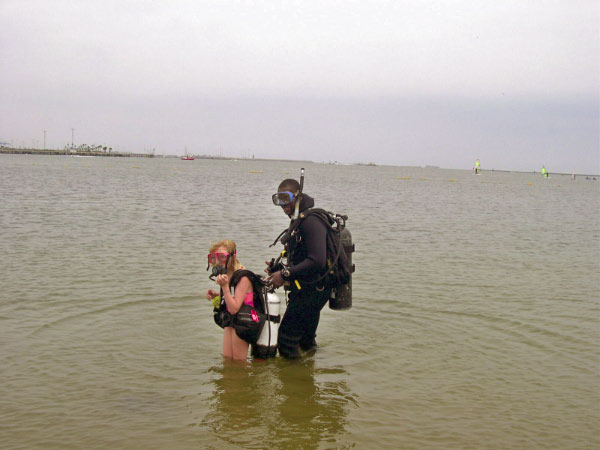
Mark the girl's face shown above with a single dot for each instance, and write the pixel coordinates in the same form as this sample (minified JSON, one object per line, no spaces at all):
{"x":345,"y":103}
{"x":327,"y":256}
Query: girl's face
{"x":218,"y":257}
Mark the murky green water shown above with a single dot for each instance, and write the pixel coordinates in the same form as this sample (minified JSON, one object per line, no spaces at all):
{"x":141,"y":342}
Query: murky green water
{"x":475,"y":321}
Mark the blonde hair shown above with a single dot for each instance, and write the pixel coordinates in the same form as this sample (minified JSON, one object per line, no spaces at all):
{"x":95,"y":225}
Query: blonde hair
{"x":234,"y":263}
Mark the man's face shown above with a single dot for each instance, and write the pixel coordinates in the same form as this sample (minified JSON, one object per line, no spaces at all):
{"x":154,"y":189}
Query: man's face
{"x":289,"y":208}
{"x":286,"y":198}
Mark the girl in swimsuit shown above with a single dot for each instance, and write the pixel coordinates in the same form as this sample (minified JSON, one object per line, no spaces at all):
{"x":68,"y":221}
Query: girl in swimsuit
{"x":224,"y":254}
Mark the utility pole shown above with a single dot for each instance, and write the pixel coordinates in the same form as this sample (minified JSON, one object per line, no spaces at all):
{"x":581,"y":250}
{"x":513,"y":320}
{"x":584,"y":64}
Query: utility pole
{"x":44,"y":139}
{"x":72,"y":134}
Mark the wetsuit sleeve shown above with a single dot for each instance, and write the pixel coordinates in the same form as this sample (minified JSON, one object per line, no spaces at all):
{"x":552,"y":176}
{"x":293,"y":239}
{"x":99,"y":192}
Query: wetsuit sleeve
{"x":314,"y":235}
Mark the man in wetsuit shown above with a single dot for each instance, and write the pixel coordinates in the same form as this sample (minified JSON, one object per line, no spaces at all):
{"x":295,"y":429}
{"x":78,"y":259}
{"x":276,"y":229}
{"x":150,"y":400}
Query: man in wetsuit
{"x":306,"y":251}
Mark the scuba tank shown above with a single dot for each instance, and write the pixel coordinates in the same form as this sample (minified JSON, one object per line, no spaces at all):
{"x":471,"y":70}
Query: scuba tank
{"x":266,"y":345}
{"x":341,"y":296}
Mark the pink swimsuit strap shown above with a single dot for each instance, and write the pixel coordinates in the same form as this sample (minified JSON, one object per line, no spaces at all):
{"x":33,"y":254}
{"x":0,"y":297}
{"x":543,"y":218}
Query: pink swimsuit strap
{"x":248,"y":300}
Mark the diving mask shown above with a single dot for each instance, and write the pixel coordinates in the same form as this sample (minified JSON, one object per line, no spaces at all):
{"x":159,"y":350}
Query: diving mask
{"x":219,"y":269}
{"x":283,"y":198}
{"x":221,"y":257}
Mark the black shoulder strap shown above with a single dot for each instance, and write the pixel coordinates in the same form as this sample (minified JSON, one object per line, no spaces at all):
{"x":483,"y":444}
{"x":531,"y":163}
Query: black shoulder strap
{"x":257,"y":281}
{"x":311,"y":211}
{"x":322,"y":214}
{"x":318,"y":212}
{"x":258,"y":286}
{"x":238,"y":274}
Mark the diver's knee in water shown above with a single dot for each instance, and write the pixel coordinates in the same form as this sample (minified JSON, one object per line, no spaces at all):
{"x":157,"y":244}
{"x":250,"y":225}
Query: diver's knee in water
{"x":288,"y":346}
{"x":308,"y":345}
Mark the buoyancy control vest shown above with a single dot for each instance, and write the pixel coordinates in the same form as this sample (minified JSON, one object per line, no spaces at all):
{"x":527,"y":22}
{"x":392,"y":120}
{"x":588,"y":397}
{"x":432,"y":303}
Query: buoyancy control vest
{"x":249,"y":321}
{"x":339,"y":247}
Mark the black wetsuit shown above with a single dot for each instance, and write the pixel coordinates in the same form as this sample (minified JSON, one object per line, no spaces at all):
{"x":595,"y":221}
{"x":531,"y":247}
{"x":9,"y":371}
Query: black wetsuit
{"x":307,"y":253}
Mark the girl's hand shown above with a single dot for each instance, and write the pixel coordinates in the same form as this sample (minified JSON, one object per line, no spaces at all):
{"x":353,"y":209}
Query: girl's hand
{"x":210,"y":294}
{"x":222,"y":280}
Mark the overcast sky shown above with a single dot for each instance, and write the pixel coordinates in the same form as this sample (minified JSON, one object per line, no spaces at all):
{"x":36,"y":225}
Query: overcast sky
{"x":514,"y":83}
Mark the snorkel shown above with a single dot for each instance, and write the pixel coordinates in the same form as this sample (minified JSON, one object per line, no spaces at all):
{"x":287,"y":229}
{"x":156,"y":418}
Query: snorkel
{"x":299,"y":195}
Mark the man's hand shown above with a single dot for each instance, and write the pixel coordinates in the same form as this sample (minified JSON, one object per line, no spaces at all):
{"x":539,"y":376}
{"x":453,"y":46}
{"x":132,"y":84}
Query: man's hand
{"x":267,"y":269}
{"x":276,"y":279}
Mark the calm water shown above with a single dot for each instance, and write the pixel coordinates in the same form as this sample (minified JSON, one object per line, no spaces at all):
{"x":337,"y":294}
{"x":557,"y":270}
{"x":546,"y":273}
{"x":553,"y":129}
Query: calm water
{"x":475,"y":321}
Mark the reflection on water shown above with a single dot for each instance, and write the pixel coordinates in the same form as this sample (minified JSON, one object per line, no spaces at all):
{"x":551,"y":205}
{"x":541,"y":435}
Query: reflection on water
{"x":288,"y":404}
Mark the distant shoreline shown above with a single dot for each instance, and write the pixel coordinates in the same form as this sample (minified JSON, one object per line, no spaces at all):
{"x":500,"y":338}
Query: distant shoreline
{"x":75,"y":152}
{"x":71,"y":152}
